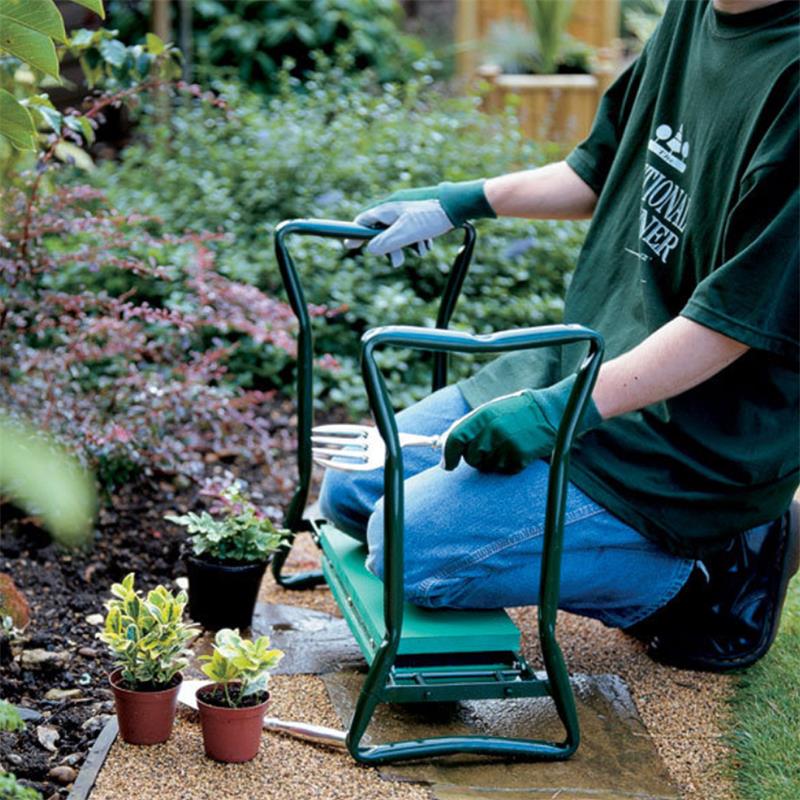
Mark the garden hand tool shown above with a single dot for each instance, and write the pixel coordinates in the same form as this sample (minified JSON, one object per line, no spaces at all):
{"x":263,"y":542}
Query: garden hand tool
{"x":417,"y":216}
{"x":359,"y":448}
{"x":318,"y":734}
{"x":508,"y":433}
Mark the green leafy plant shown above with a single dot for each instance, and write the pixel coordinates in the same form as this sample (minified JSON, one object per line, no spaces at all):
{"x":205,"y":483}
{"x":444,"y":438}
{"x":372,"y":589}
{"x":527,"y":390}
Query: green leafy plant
{"x":10,"y":720}
{"x":549,"y":19}
{"x":33,"y":41}
{"x":146,"y":634}
{"x":547,"y":49}
{"x":30,"y":31}
{"x":252,"y":40}
{"x":46,"y":480}
{"x":11,"y":789}
{"x":640,"y":19}
{"x":242,"y":533}
{"x":240,"y":666}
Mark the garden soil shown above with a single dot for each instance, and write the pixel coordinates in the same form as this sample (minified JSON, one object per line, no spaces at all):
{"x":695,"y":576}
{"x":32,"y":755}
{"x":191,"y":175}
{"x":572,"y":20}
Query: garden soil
{"x":59,"y":669}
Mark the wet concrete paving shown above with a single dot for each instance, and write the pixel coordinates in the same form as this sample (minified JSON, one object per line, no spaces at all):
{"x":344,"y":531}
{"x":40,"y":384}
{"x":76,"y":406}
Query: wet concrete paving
{"x":313,"y":642}
{"x":616,"y":760}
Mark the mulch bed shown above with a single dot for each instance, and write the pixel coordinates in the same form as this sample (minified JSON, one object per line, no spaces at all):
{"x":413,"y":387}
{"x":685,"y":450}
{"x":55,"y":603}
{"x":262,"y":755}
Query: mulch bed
{"x":64,"y":588}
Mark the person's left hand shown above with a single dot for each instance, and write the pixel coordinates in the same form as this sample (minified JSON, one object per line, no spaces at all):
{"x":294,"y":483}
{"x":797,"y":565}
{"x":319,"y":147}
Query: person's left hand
{"x":415,"y":217}
{"x":508,"y":433}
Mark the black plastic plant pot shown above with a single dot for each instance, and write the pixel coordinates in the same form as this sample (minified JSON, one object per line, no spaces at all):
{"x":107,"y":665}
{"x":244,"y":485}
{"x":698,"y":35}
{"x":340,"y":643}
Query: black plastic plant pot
{"x":223,"y":595}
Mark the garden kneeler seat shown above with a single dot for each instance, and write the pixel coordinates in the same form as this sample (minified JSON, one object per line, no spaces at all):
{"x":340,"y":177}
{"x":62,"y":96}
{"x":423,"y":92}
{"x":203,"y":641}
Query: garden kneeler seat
{"x":415,"y":654}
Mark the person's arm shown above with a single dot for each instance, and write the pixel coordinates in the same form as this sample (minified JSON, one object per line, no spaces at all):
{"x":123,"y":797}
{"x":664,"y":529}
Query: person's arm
{"x":417,"y":216}
{"x":551,"y":192}
{"x":508,"y":433}
{"x":672,"y":360}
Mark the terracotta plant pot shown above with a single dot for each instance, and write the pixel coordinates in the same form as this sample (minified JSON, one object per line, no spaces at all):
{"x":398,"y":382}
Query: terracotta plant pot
{"x":144,"y":717}
{"x":230,"y":734}
{"x":223,"y":595}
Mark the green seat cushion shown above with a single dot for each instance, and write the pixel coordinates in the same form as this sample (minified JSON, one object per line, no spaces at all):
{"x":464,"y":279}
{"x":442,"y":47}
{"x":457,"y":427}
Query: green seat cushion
{"x":359,"y":595}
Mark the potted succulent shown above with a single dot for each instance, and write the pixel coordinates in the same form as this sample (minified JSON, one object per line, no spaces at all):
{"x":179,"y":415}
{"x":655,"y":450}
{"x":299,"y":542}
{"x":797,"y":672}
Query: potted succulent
{"x":232,"y":707}
{"x":148,"y":639}
{"x":229,"y":555}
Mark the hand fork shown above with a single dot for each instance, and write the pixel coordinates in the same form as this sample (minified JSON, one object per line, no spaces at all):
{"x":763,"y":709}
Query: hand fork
{"x":359,"y":448}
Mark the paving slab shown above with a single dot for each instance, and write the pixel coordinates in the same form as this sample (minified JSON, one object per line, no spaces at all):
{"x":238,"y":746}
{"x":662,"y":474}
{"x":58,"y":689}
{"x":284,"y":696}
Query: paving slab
{"x":617,"y":759}
{"x":314,"y":642}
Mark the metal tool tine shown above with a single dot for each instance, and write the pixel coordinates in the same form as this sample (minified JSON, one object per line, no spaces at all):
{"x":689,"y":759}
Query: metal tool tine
{"x":339,"y":440}
{"x":352,"y":454}
{"x":344,"y":429}
{"x":348,"y":467}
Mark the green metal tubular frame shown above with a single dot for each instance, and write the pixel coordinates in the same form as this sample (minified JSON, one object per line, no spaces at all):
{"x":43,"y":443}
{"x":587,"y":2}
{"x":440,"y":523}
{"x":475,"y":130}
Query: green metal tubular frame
{"x":373,"y":690}
{"x":294,"y":519}
{"x":441,"y":342}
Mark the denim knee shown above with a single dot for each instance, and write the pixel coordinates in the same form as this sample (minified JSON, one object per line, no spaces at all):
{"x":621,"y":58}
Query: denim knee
{"x":341,"y":503}
{"x":417,"y":565}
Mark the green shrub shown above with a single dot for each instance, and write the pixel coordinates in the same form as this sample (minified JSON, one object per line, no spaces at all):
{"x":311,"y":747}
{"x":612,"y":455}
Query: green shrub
{"x":11,"y":789}
{"x":327,"y":153}
{"x":251,"y":39}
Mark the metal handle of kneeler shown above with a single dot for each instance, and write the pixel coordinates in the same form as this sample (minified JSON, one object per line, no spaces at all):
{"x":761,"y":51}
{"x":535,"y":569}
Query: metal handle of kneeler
{"x":460,"y":342}
{"x":335,"y":229}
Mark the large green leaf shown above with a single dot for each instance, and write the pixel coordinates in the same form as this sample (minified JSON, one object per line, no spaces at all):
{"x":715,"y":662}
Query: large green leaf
{"x":16,"y":123}
{"x":93,"y":5}
{"x":71,"y":153}
{"x":44,"y":479}
{"x":40,"y":104}
{"x":32,"y":47}
{"x":154,"y":44}
{"x":114,"y":52}
{"x":39,"y":15}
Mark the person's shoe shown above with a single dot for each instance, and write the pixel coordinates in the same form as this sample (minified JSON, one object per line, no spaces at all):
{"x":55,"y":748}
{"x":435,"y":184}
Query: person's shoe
{"x":727,"y":614}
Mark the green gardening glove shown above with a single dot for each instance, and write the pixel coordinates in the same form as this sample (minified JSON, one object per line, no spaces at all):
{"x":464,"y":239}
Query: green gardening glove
{"x":414,"y":217}
{"x":508,"y":433}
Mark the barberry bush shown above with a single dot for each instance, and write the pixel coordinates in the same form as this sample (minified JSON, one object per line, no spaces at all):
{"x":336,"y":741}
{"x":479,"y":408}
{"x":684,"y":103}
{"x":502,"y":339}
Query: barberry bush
{"x":117,"y":341}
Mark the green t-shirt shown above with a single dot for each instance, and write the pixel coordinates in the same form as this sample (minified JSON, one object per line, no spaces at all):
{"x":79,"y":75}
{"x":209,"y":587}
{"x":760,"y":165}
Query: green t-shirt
{"x":694,"y":158}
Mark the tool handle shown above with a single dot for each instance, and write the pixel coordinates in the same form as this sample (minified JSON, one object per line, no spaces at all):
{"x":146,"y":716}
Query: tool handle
{"x":319,"y":734}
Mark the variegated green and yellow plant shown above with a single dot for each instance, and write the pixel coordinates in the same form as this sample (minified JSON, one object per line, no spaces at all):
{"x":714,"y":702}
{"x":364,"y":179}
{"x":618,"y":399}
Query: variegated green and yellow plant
{"x":147,"y":634}
{"x":240,"y":666}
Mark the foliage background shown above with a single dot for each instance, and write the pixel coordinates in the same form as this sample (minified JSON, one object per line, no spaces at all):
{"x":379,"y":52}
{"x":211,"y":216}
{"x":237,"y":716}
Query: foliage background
{"x":171,"y":331}
{"x":326,"y":149}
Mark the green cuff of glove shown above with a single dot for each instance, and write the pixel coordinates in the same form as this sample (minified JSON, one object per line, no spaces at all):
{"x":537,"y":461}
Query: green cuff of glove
{"x":464,"y":201}
{"x":461,"y":201}
{"x":508,"y":433}
{"x":553,"y":402}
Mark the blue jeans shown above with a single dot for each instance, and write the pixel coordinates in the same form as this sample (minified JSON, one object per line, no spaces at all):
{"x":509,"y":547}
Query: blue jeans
{"x":474,"y":540}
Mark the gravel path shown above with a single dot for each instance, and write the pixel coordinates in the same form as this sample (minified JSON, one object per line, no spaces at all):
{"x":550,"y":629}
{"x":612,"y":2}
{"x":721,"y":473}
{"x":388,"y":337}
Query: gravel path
{"x":684,"y":712}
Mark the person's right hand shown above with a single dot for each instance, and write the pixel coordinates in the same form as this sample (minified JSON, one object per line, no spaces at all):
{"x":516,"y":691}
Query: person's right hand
{"x":414,"y":217}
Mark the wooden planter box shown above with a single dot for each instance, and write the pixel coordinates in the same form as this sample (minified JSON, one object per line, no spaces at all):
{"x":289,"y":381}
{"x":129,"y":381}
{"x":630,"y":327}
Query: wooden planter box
{"x":557,"y":108}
